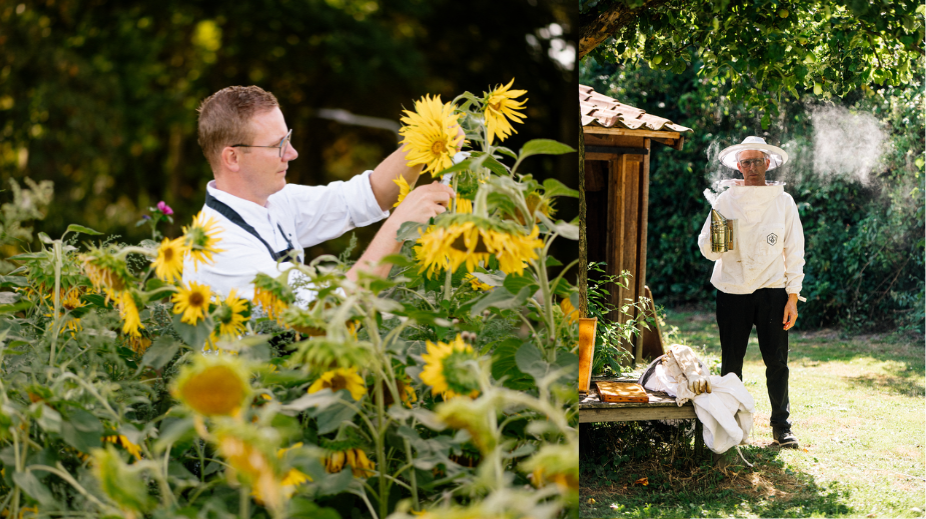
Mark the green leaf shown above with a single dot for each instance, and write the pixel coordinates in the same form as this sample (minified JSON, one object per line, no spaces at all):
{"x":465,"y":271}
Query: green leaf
{"x":13,"y":281}
{"x":544,"y":147}
{"x":15,"y":307}
{"x":30,"y":256}
{"x":160,"y":352}
{"x":44,"y":238}
{"x":409,"y":231}
{"x":334,"y":484}
{"x":81,"y":430}
{"x":301,"y":507}
{"x":173,"y":430}
{"x":194,"y":336}
{"x":154,"y":284}
{"x":495,"y":166}
{"x":553,"y":187}
{"x":529,"y":360}
{"x":501,"y":299}
{"x":85,"y":230}
{"x":34,"y":488}
{"x":504,"y":366}
{"x":332,"y":416}
{"x":514,"y":283}
{"x":398,"y":260}
{"x":460,"y":166}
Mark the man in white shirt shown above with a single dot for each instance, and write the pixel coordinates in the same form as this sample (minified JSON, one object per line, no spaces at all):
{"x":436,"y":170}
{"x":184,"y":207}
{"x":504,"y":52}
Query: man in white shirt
{"x":245,"y":138}
{"x":759,"y":281}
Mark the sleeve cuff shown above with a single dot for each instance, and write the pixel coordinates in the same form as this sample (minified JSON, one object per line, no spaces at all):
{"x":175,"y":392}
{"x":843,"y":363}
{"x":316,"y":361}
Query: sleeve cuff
{"x":368,"y":210}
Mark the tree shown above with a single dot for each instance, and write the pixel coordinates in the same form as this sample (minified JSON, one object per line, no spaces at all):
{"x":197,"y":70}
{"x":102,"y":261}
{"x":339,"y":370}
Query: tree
{"x":762,"y":50}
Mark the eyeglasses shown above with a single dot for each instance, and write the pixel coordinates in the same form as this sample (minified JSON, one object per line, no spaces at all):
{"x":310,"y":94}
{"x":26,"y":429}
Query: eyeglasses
{"x":752,"y":163}
{"x":281,"y":145}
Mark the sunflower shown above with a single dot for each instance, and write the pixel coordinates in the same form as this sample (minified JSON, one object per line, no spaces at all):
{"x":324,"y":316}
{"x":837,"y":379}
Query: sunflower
{"x":293,"y":478}
{"x":403,"y":386}
{"x":571,"y":313}
{"x":474,"y":416}
{"x":467,"y":239}
{"x":341,"y":378}
{"x":70,"y":301}
{"x":274,"y":295}
{"x":476,"y":283}
{"x":464,"y":206}
{"x":127,"y":444}
{"x":138,"y":344}
{"x":192,"y":302}
{"x":108,"y":273}
{"x":169,"y":264}
{"x":128,"y":310}
{"x":445,"y":371}
{"x":213,"y":385}
{"x":513,"y":250}
{"x":404,"y":188}
{"x":230,"y":317}
{"x":246,"y":459}
{"x":501,"y":106}
{"x":200,"y":239}
{"x":431,"y":134}
{"x":555,"y":463}
{"x":451,"y":246}
{"x":360,"y":465}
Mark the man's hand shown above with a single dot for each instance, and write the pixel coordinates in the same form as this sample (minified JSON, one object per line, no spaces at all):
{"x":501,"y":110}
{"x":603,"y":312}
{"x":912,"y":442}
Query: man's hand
{"x":790,"y":316}
{"x":423,"y":203}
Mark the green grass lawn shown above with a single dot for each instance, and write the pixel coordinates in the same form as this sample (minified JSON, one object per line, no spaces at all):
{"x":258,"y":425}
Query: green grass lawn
{"x":859,"y":411}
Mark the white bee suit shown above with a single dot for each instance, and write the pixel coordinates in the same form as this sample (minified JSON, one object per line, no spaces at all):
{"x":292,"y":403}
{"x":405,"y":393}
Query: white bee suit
{"x":769,"y":248}
{"x":726,"y":411}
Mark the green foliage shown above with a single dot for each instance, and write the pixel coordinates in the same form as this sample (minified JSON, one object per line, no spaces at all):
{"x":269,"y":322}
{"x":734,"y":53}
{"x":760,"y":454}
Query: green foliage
{"x":380,"y":397}
{"x":864,"y":242}
{"x":613,"y":337}
{"x":102,"y":101}
{"x":26,"y":204}
{"x":763,"y":51}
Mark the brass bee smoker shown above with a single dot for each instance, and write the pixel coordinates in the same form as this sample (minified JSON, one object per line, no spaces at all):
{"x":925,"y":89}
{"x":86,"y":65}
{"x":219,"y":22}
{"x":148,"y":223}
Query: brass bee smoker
{"x":723,"y":233}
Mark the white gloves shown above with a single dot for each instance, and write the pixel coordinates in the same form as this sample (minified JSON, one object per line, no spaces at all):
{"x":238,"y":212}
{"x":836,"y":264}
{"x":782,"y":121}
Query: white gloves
{"x":698,"y":379}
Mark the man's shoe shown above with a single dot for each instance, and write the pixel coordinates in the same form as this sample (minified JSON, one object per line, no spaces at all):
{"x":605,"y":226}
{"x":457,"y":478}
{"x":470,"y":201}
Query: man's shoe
{"x":785,"y":439}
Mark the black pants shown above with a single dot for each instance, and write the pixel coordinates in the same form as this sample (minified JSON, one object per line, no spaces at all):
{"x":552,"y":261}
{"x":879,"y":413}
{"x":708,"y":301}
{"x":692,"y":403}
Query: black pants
{"x":736,"y":315}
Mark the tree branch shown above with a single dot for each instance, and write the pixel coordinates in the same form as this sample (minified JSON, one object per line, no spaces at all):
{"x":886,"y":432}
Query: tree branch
{"x":596,"y":28}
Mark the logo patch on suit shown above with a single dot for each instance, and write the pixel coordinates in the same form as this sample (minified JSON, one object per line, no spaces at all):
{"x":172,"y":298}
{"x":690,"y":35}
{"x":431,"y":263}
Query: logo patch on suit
{"x":772,"y":239}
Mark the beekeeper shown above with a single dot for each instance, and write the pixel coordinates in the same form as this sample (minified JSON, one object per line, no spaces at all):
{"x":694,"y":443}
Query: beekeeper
{"x":759,"y":281}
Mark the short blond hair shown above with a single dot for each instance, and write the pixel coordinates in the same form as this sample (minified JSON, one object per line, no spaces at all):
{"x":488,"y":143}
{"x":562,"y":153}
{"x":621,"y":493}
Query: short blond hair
{"x":225,"y":116}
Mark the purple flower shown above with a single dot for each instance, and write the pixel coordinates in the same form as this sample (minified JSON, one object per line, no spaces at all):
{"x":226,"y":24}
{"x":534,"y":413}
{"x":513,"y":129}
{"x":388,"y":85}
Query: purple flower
{"x":164,"y":208}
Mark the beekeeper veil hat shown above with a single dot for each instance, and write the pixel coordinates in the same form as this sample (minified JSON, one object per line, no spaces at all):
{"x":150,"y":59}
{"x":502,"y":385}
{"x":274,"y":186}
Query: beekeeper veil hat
{"x":776,"y":155}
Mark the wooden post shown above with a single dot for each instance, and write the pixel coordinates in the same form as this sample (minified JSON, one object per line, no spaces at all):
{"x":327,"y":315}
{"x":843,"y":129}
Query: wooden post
{"x":615,"y":229}
{"x":640,"y":280}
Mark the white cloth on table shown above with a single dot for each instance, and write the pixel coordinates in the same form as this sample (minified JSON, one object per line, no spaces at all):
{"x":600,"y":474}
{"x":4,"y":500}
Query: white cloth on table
{"x":726,"y":411}
{"x":309,"y":215}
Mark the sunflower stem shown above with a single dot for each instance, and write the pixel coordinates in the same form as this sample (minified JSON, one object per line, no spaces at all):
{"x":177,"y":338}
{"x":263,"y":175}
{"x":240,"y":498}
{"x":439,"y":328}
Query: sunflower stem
{"x":380,"y":431}
{"x":413,"y":477}
{"x":244,"y":502}
{"x":56,"y":328}
{"x":541,"y":266}
{"x":447,"y":288}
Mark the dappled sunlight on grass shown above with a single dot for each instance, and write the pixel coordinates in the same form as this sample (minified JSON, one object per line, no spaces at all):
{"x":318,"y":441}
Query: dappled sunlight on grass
{"x":857,"y":406}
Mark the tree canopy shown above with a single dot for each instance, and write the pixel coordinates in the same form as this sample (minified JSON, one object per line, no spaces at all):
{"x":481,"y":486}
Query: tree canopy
{"x":762,"y":50}
{"x":100,"y":97}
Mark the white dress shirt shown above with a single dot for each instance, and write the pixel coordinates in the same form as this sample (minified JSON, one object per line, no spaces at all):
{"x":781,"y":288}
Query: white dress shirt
{"x":769,"y":249}
{"x":309,"y":215}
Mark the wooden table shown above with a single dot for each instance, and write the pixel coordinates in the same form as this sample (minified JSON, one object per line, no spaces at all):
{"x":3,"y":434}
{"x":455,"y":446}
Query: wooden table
{"x":660,"y":407}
